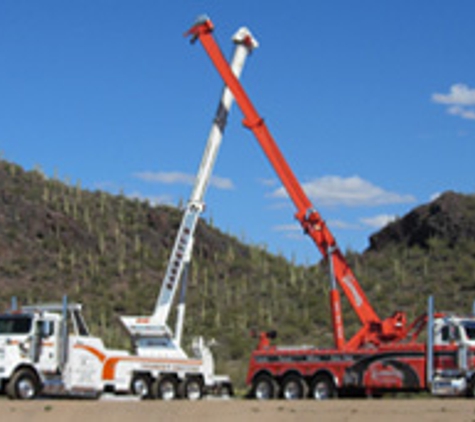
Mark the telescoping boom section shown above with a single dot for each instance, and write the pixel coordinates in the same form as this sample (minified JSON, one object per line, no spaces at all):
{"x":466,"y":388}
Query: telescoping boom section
{"x":385,"y":355}
{"x":156,"y":325}
{"x":244,"y":45}
{"x":374,"y":330}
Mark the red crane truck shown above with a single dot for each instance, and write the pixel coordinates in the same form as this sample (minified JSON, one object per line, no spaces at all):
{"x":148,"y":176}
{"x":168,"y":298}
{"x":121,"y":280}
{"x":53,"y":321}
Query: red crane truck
{"x":385,"y":354}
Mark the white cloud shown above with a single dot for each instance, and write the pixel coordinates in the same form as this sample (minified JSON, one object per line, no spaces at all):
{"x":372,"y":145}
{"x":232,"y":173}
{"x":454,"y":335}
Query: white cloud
{"x":176,"y":177}
{"x":460,"y":100}
{"x":268,"y":182}
{"x":290,"y":231}
{"x":295,"y":232}
{"x":287,"y":228}
{"x":334,"y":224}
{"x":459,"y":94}
{"x":343,"y":225}
{"x":152,"y":200}
{"x":115,"y":189}
{"x":378,"y":221}
{"x":168,"y":178}
{"x":351,"y":191}
{"x":466,"y":113}
{"x":222,"y":183}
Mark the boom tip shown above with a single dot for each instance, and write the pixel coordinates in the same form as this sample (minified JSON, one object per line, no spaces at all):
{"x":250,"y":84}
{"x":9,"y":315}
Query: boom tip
{"x":201,"y":26}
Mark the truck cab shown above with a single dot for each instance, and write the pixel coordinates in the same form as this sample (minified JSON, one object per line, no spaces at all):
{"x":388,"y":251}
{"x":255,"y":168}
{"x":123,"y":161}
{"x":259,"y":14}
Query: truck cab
{"x":47,"y":349}
{"x":450,"y":354}
{"x":28,"y":339}
{"x":454,"y":329}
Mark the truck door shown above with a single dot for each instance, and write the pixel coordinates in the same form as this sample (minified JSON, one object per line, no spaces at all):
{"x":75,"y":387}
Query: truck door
{"x":47,"y":351}
{"x":447,"y":339}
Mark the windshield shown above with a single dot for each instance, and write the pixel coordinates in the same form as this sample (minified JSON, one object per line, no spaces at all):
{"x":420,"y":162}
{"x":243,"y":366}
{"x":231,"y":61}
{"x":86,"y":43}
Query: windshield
{"x":469,"y":327}
{"x":14,"y":324}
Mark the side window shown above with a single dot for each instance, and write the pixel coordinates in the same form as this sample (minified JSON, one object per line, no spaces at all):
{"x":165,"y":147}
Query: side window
{"x":450,"y":333}
{"x":47,"y":328}
{"x":445,"y":334}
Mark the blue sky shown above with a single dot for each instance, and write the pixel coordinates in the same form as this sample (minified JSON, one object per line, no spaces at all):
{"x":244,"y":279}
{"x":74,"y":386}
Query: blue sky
{"x":371,"y":102}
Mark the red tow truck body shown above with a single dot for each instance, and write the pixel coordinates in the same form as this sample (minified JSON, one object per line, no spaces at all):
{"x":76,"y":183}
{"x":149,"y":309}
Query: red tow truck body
{"x":385,"y":354}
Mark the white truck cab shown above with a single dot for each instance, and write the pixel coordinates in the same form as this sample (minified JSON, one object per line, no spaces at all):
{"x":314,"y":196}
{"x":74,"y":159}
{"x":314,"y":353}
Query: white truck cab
{"x":47,"y":350}
{"x":39,"y":351}
{"x":456,"y":329}
{"x":450,"y":353}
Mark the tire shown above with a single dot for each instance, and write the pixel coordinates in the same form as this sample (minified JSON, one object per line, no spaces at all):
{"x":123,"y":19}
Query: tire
{"x":192,"y":389}
{"x":470,"y":392}
{"x":141,"y":386}
{"x":165,"y":388}
{"x":225,"y":391}
{"x":322,"y":388}
{"x":23,"y":385}
{"x":294,"y":387}
{"x":264,"y":387}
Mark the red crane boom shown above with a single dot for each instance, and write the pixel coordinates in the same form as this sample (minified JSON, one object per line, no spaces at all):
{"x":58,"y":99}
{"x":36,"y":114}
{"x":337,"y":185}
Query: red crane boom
{"x":373,"y":329}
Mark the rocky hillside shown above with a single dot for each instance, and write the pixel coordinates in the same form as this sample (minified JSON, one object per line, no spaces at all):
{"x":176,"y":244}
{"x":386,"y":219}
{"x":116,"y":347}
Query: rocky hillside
{"x":429,"y":251}
{"x":450,"y":217}
{"x":110,"y":253}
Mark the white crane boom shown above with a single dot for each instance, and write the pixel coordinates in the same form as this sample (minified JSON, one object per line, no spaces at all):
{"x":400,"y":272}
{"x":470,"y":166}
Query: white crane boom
{"x":156,"y":325}
{"x":244,"y":44}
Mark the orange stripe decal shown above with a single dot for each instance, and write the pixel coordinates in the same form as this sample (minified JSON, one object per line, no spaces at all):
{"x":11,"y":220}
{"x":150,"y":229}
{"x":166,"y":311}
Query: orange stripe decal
{"x":110,"y":363}
{"x":97,"y":353}
{"x":108,"y":371}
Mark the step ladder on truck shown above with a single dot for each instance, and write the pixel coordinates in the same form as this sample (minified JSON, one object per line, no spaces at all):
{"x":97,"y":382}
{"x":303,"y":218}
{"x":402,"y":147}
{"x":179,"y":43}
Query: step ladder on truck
{"x":48,"y":350}
{"x":385,"y":355}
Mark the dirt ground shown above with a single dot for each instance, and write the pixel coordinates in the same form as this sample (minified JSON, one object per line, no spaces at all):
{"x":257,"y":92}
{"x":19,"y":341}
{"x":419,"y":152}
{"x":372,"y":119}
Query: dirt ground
{"x":387,"y":410}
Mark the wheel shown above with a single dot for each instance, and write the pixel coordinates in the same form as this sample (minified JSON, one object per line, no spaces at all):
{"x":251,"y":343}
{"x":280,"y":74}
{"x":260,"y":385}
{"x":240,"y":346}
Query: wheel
{"x":225,"y":390}
{"x":192,"y":388}
{"x":322,"y":388}
{"x":23,"y":385}
{"x":166,"y":388}
{"x":294,"y":387}
{"x":264,"y":387}
{"x":141,"y":386}
{"x":470,"y":392}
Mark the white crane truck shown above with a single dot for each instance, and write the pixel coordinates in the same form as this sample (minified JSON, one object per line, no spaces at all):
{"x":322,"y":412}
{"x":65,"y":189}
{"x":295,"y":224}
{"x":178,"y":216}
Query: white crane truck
{"x":47,"y":349}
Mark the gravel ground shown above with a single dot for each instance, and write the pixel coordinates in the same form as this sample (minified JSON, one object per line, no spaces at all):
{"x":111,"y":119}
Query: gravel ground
{"x":387,"y":410}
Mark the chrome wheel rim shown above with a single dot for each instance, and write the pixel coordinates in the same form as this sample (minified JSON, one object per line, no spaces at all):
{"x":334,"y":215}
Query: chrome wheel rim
{"x":263,"y":391}
{"x":321,"y":391}
{"x":193,"y":390}
{"x":26,"y":388}
{"x":140,"y":387}
{"x":292,"y":390}
{"x":167,"y":390}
